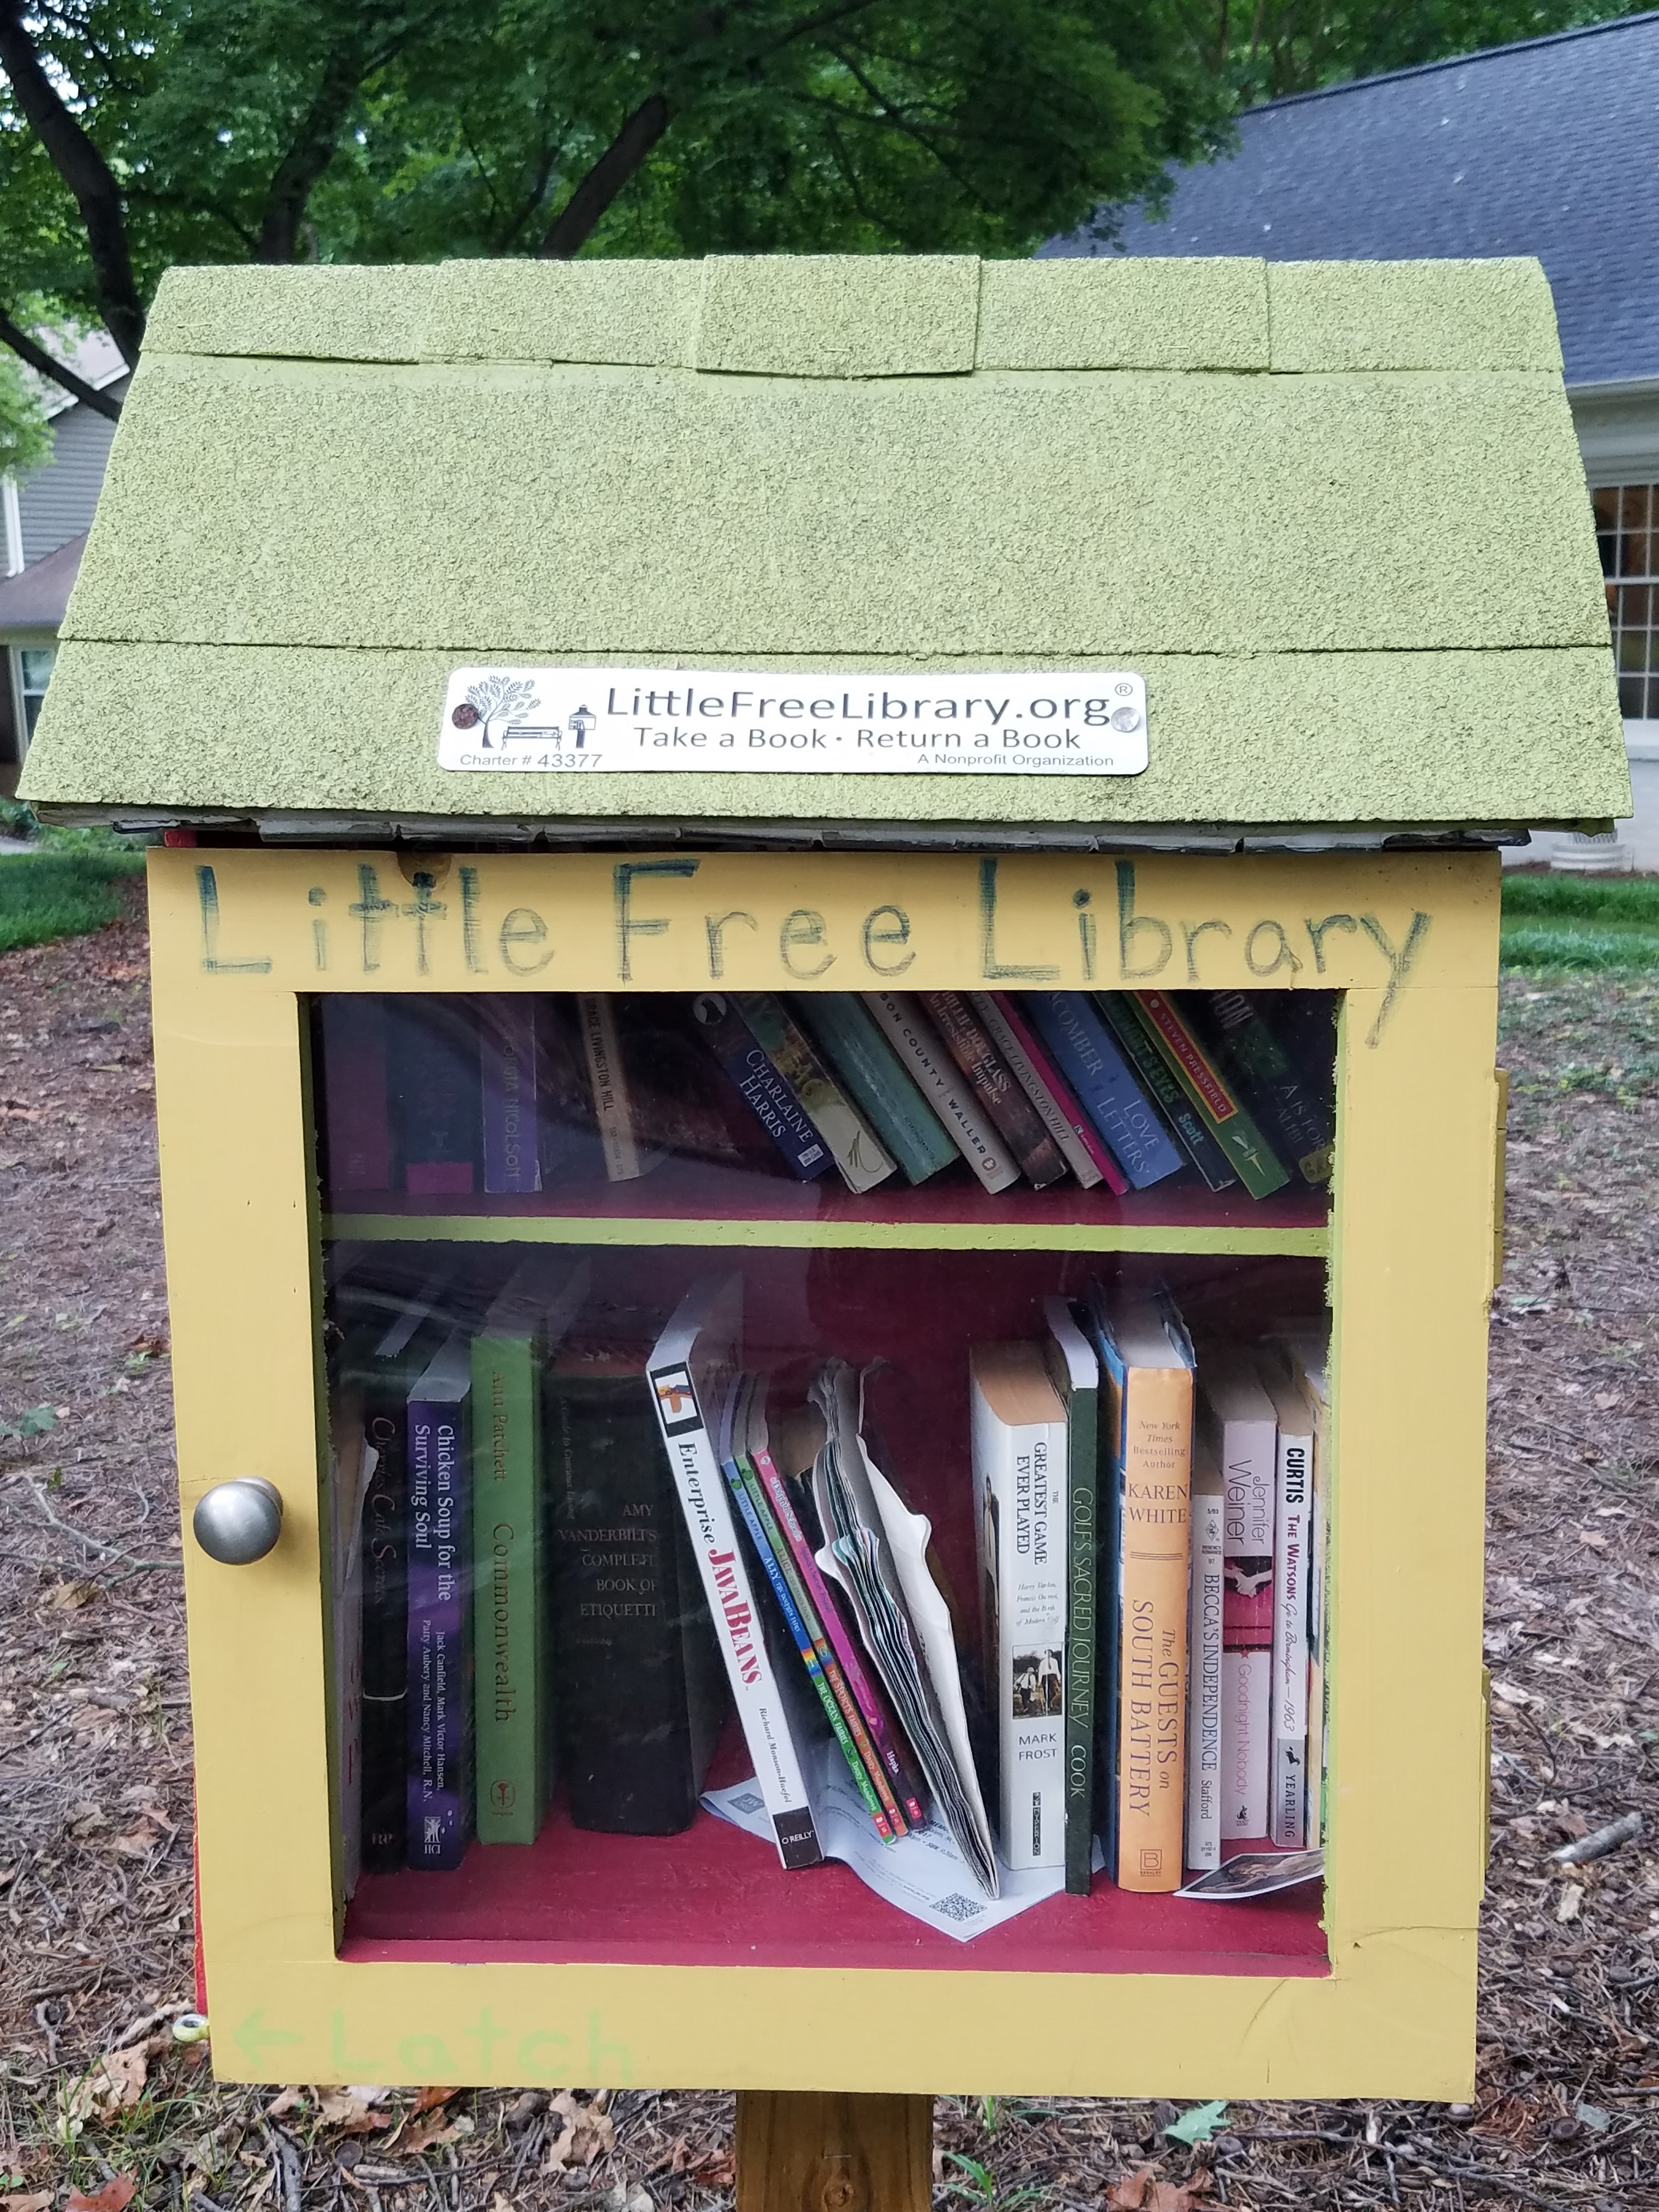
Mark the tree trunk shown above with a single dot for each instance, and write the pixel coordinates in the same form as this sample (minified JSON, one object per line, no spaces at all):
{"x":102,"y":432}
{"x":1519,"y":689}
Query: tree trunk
{"x":820,"y":2151}
{"x":574,"y":223}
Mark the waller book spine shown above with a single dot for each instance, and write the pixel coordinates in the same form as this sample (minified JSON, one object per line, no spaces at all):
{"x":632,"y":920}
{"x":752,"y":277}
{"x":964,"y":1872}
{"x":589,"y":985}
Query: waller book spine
{"x":440,"y":1653}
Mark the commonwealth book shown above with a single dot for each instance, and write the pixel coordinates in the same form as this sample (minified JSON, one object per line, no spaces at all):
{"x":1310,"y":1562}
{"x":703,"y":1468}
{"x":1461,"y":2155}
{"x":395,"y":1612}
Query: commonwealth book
{"x":515,"y":1744}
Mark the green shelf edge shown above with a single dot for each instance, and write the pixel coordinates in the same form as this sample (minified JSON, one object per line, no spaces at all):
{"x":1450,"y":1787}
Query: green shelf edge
{"x":892,"y":1236}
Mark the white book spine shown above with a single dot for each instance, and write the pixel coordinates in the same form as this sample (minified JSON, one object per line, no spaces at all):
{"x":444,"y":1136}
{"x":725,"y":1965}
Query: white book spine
{"x":1204,"y":1686}
{"x":1019,"y":1490}
{"x":1072,"y":1149}
{"x":1288,"y":1811}
{"x":909,"y":1033}
{"x":1319,"y":1554}
{"x":1246,"y":1700}
{"x":705,"y":1502}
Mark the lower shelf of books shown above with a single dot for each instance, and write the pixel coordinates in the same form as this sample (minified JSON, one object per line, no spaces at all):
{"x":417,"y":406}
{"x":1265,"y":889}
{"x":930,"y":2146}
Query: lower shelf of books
{"x":716,"y":1897}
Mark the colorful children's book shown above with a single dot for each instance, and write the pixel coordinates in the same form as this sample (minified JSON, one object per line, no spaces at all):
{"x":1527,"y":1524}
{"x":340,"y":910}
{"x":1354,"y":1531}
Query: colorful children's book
{"x":995,"y":1087}
{"x":975,"y":1136}
{"x":693,"y":1364}
{"x":1074,"y":1370}
{"x":1070,"y":1025}
{"x":514,"y":1743}
{"x":847,"y":1035}
{"x":1147,"y":1417}
{"x":441,"y":1795}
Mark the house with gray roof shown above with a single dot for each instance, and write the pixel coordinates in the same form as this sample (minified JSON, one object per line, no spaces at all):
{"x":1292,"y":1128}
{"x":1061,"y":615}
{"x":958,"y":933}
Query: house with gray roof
{"x":44,"y":517}
{"x":1549,"y":147}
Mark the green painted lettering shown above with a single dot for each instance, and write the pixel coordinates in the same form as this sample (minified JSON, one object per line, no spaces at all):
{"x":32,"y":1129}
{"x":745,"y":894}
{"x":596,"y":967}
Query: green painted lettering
{"x":471,"y":935}
{"x":887,"y":925}
{"x":254,"y":2038}
{"x":207,"y":892}
{"x":993,"y":970}
{"x":715,"y":925}
{"x":629,"y":925}
{"x":1317,"y":935}
{"x":1191,"y":930}
{"x":803,"y":928}
{"x":524,"y":926}
{"x":1282,"y":955}
{"x":422,"y":909}
{"x":349,"y":2066}
{"x":1086,"y":933}
{"x":606,"y":2061}
{"x":427,"y":2057}
{"x":368,"y":908}
{"x":1130,"y":924}
{"x":486,"y":2034}
{"x":1400,"y":962}
{"x":530,"y":2065}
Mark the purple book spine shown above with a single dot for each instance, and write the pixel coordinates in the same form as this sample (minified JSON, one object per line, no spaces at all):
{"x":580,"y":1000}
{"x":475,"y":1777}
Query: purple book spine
{"x":440,"y":1687}
{"x":511,"y":1116}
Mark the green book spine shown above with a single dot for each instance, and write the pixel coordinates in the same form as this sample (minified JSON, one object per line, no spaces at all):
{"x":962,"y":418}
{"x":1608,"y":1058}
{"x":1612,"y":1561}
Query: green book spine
{"x":1219,"y":1107}
{"x":841,"y":1025}
{"x":1075,"y":1373}
{"x":512,"y":1719}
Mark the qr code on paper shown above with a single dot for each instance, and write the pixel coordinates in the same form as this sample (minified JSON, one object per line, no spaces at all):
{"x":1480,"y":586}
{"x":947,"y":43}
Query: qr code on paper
{"x":958,"y":1907}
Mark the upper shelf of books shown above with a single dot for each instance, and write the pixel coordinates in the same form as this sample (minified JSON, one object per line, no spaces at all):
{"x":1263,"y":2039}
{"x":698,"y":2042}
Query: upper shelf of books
{"x":1147,"y":1119}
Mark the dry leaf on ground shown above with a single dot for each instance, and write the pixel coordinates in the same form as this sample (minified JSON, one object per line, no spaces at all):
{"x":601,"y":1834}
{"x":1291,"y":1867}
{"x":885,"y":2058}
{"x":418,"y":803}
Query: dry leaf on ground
{"x":114,"y":2196}
{"x":351,"y":2113}
{"x":38,"y":2203}
{"x":586,"y":2133}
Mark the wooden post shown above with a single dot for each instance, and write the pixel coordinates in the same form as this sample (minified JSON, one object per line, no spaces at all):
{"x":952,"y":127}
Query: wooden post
{"x":811,"y":2151}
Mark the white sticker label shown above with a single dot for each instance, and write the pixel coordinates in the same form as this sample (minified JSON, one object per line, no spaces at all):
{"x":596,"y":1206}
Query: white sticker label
{"x":603,"y":721}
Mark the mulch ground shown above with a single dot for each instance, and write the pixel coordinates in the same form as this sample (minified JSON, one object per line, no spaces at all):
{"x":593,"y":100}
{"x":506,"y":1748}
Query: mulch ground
{"x":94,"y":1731}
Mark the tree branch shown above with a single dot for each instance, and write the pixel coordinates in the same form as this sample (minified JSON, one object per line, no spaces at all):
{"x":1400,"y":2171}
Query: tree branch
{"x":87,"y":174}
{"x":40,"y":360}
{"x":312,"y":151}
{"x":574,"y":223}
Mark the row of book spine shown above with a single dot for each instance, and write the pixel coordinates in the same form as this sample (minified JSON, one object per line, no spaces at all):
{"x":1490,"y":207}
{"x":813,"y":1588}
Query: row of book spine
{"x":1124,"y":1088}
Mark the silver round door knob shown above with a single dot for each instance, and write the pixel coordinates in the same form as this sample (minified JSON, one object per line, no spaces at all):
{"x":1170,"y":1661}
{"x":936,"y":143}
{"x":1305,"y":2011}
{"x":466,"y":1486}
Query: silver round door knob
{"x":239,"y":1522}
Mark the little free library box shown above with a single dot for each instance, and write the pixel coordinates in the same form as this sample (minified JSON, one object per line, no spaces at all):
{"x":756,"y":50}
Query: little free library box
{"x":825,"y":967}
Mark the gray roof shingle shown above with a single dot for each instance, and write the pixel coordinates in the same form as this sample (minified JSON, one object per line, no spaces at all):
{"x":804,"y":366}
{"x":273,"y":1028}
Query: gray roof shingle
{"x":1548,"y":147}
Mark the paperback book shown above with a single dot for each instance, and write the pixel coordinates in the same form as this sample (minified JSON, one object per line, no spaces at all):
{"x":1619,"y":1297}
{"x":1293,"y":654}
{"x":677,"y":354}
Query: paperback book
{"x":974,"y":1135}
{"x":1074,"y":1370}
{"x":440,"y":1712}
{"x":1240,"y":1425}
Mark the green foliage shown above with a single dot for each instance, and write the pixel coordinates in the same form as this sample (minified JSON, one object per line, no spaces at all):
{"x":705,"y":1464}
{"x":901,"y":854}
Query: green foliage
{"x":1588,"y":922}
{"x":25,"y":433}
{"x":1615,"y":899}
{"x":53,"y":894}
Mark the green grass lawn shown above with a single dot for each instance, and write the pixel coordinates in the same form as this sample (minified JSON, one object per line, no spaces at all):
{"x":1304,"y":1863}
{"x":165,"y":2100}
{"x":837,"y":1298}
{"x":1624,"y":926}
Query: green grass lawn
{"x":63,"y":891}
{"x":1580,"y":922}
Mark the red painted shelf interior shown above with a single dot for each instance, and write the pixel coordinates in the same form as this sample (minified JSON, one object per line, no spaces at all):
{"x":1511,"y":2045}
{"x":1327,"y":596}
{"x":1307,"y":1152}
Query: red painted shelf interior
{"x":716,"y":1897}
{"x":693,"y":1190}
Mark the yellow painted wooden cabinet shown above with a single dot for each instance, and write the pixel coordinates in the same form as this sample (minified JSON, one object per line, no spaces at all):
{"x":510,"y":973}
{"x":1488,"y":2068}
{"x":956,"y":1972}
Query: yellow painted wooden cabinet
{"x":686,"y":1960}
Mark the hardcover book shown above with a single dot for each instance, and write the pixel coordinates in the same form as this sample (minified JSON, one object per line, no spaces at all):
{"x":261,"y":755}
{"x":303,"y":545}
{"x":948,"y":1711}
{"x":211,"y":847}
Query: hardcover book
{"x":912,"y":1036}
{"x":357,"y":1118}
{"x":510,"y":1057}
{"x":641,"y":1689}
{"x":1079,"y":1142}
{"x":1017,"y":1425}
{"x":1157,"y":1078}
{"x":1204,"y":1663}
{"x":628,"y":1153}
{"x":1239,"y":1422}
{"x":1213,"y":1097}
{"x":379,"y":1362}
{"x":1287,"y":1797}
{"x":1070,"y":1025}
{"x":1147,"y":1417}
{"x":441,"y":1798}
{"x":1075,"y":1373}
{"x":757,"y":1082}
{"x":513,"y":1740}
{"x":1297,"y":1113}
{"x":859,"y":1153}
{"x":847,"y":1034}
{"x":969,"y":1043}
{"x":433,"y":1062}
{"x":692,"y":1365}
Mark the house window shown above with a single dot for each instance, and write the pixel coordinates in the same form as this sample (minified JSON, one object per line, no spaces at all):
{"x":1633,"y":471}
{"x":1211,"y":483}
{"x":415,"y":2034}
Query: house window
{"x":34,"y":668}
{"x":1627,"y":531}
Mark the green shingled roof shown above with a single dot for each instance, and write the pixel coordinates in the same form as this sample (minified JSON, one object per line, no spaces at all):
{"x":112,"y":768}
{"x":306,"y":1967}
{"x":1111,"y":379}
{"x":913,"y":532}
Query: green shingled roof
{"x":1334,"y":512}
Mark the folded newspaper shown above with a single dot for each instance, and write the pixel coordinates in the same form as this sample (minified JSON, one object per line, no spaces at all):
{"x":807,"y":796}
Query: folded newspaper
{"x":923,"y":1874}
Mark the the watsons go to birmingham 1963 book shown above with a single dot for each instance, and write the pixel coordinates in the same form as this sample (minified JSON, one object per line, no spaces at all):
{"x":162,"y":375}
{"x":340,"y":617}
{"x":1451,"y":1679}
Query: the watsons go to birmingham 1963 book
{"x":596,"y":721}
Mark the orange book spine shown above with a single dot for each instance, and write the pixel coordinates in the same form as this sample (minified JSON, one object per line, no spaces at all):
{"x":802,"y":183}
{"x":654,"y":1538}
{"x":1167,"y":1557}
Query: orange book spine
{"x":1154,"y":1538}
